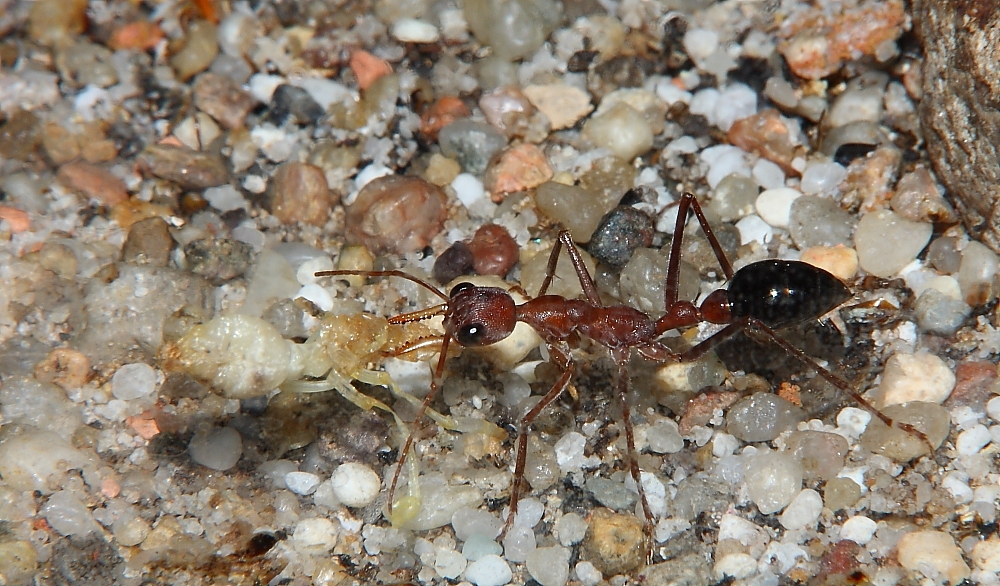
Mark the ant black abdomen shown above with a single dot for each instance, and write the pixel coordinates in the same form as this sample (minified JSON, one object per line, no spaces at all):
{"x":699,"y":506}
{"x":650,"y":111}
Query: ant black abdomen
{"x":784,"y":292}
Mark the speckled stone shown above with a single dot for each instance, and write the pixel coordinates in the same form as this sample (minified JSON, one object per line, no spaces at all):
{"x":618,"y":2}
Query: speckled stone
{"x":300,"y":194}
{"x":397,"y":213}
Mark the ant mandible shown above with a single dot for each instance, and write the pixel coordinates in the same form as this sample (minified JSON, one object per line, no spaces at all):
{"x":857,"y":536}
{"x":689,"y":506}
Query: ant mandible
{"x":762,"y":296}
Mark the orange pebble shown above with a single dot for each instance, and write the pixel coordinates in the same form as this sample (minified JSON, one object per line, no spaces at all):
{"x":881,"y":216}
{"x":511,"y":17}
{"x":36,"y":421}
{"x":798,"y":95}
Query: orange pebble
{"x":442,"y":113}
{"x":18,"y":219}
{"x":110,"y":487}
{"x":367,"y":67}
{"x":140,"y":35}
{"x":144,"y":425}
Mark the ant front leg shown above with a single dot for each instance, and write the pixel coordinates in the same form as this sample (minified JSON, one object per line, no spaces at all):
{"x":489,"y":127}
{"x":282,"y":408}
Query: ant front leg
{"x":586,"y":281}
{"x":561,"y":357}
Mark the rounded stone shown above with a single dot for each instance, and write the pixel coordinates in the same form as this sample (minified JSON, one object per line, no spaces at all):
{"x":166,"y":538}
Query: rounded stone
{"x":619,"y":233}
{"x":614,"y":542}
{"x":773,"y":479}
{"x":396,"y":213}
{"x":933,"y":554}
{"x":886,"y":242}
{"x":300,"y":194}
{"x":218,"y":449}
{"x":761,"y":417}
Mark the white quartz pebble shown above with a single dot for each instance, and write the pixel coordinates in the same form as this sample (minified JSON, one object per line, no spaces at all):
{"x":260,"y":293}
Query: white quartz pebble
{"x":218,"y":449}
{"x":774,"y":206}
{"x":549,"y":566}
{"x":571,"y":528}
{"x":886,"y":242}
{"x":859,"y":529}
{"x":301,"y":482}
{"x":972,"y":440}
{"x":355,"y":485}
{"x":803,"y":511}
{"x":587,"y":574}
{"x":450,"y":564}
{"x":852,"y":421}
{"x":933,"y":554}
{"x":412,"y":30}
{"x":753,"y":229}
{"x":316,"y":295}
{"x":132,"y":381}
{"x":768,"y":174}
{"x":773,"y":479}
{"x":315,"y":535}
{"x":915,"y":377}
{"x":489,"y":570}
{"x":67,"y":514}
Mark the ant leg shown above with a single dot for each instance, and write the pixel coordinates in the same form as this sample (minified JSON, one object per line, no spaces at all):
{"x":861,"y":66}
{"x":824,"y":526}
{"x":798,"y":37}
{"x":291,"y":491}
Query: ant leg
{"x":586,"y":281}
{"x":566,"y":363}
{"x":622,"y":386}
{"x":411,"y":506}
{"x":688,"y":201}
{"x":759,"y":331}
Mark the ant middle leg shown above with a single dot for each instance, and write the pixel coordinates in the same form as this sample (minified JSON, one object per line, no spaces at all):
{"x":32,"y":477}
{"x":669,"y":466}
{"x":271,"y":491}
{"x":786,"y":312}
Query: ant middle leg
{"x":689,"y":202}
{"x":586,"y":281}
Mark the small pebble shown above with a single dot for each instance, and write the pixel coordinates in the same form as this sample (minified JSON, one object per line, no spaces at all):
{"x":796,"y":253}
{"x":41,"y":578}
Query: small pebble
{"x":300,"y":194}
{"x":614,"y":542}
{"x":803,"y":511}
{"x":367,"y":68}
{"x":821,"y":454}
{"x":468,"y":522}
{"x":724,"y":160}
{"x":761,"y":417}
{"x":932,"y":554}
{"x":450,"y":564}
{"x":917,"y":198}
{"x":454,"y":262}
{"x":519,"y":168}
{"x":218,"y":259}
{"x":93,"y":182}
{"x":479,"y":545}
{"x":840,"y":493}
{"x":976,"y":274}
{"x":513,"y":30}
{"x":494,"y":251}
{"x":753,"y":229}
{"x":294,"y":103}
{"x":186,"y":167}
{"x":859,"y":529}
{"x":733,"y":198}
{"x":887,"y":242}
{"x":317,"y":295}
{"x":768,"y":175}
{"x":899,"y":445}
{"x":914,"y":377}
{"x":441,"y":113}
{"x":303,"y":483}
{"x":19,"y":561}
{"x":133,"y":381}
{"x":619,"y":233}
{"x":412,"y":30}
{"x":562,"y":104}
{"x":148,"y":243}
{"x":610,"y":493}
{"x":939,"y":313}
{"x":621,"y":130}
{"x":489,"y":570}
{"x":663,"y":437}
{"x":355,"y":485}
{"x":315,"y":536}
{"x":549,"y":566}
{"x":396,"y":213}
{"x":768,"y":134}
{"x":587,"y":574}
{"x":774,"y":206}
{"x":219,"y":449}
{"x":822,"y":177}
{"x":223,"y":99}
{"x":972,"y":440}
{"x":571,"y":528}
{"x":773,"y":479}
{"x":199,"y":50}
{"x":817,"y":221}
{"x":840,"y":261}
{"x":944,"y":256}
{"x":441,"y":171}
{"x":66,"y":513}
{"x":986,"y":555}
{"x":508,"y":110}
{"x":471,"y":143}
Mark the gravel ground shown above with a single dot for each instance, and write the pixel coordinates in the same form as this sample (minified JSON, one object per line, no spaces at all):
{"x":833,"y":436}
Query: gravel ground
{"x":183,"y":400}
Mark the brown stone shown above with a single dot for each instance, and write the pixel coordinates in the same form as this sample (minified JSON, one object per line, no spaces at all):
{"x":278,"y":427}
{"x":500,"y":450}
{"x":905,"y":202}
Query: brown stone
{"x":917,"y":198}
{"x":300,"y":194}
{"x":614,"y":542}
{"x":494,"y":251}
{"x":59,"y":144}
{"x":148,"y":243}
{"x":186,"y":167}
{"x":517,"y":169}
{"x":973,"y":385}
{"x":397,"y":213}
{"x":223,"y":99}
{"x":766,"y":134}
{"x":93,"y":182}
{"x":442,"y":113}
{"x":869,"y":180}
{"x":958,"y":112}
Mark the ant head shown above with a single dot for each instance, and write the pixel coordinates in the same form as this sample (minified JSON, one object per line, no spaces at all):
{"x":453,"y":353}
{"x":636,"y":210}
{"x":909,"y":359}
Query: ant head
{"x":479,"y":316}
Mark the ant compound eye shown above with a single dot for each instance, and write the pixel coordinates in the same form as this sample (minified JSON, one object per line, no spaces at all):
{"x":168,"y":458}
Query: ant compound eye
{"x":470,"y":334}
{"x":459,"y":288}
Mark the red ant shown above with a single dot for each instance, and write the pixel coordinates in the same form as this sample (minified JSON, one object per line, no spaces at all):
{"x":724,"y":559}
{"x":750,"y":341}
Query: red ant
{"x":761,"y":297}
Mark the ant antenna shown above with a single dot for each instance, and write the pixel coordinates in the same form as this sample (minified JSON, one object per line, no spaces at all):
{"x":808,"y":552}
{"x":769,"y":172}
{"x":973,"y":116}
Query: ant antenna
{"x":399,"y":274}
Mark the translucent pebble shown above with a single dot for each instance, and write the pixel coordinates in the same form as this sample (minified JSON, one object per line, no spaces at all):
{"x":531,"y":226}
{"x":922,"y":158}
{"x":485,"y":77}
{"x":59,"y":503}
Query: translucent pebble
{"x":803,"y":511}
{"x":514,"y":30}
{"x":610,"y":493}
{"x":219,"y":448}
{"x":622,"y":130}
{"x":663,"y":437}
{"x":821,"y":454}
{"x":236,"y":34}
{"x":972,"y":440}
{"x":66,"y":513}
{"x":471,"y":143}
{"x":761,"y":417}
{"x":779,"y":91}
{"x":859,"y":529}
{"x":993,"y":408}
{"x":822,"y":177}
{"x":736,"y":565}
{"x":549,"y":566}
{"x":306,"y":273}
{"x":774,"y":206}
{"x":515,"y":389}
{"x":736,"y":101}
{"x":767,"y":174}
{"x":914,"y":377}
{"x":699,"y":43}
{"x":887,"y":242}
{"x":579,"y":210}
{"x":36,"y":460}
{"x":276,"y":470}
{"x":439,"y":501}
{"x":355,"y":484}
{"x":133,"y":381}
{"x":571,"y":528}
{"x":944,"y":256}
{"x":301,"y":482}
{"x":468,"y":521}
{"x":642,"y":281}
{"x":728,"y":163}
{"x":939,"y":313}
{"x":478,"y":546}
{"x":541,"y":468}
{"x":130,"y":531}
{"x":529,"y":513}
{"x":817,"y":221}
{"x":853,"y":421}
{"x":324,"y":495}
{"x":753,"y":229}
{"x":518,"y":543}
{"x":489,"y":570}
{"x":315,"y":535}
{"x":902,"y":446}
{"x":733,"y":198}
{"x":977,"y":273}
{"x":449,"y":564}
{"x":412,"y":30}
{"x":773,"y":479}
{"x":957,"y":483}
{"x":587,"y":574}
{"x":200,"y":48}
{"x":933,"y":554}
{"x":841,"y":493}
{"x":225,"y":198}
